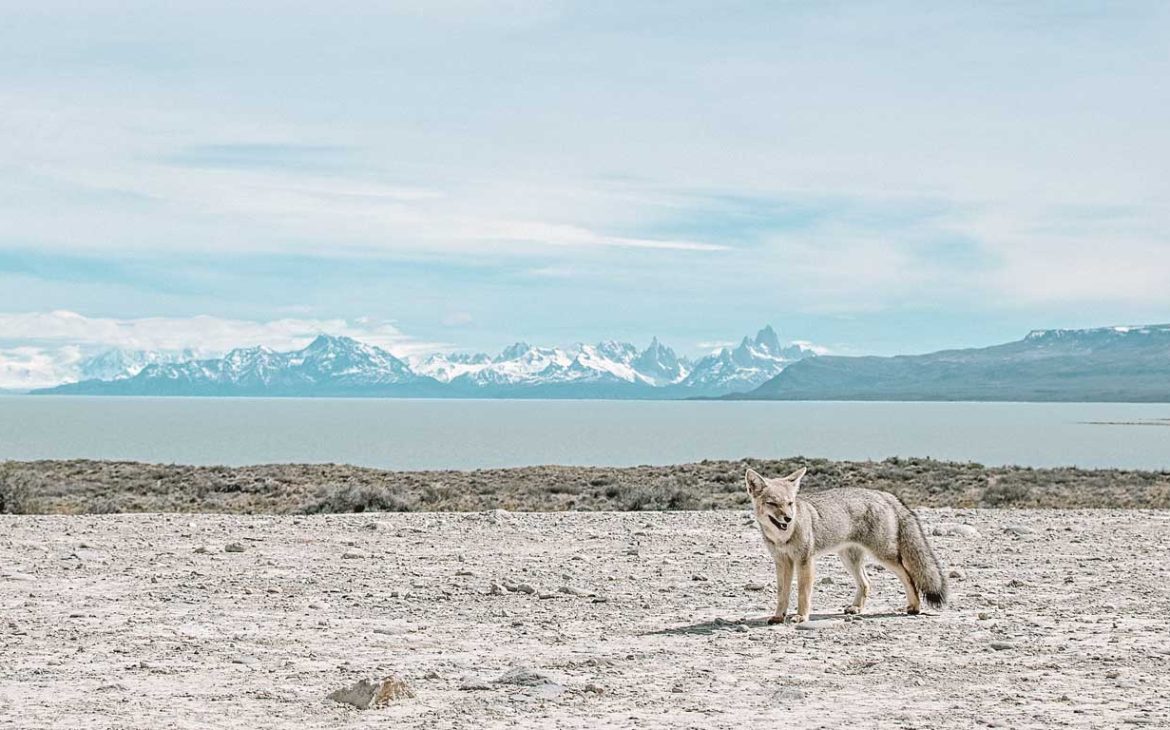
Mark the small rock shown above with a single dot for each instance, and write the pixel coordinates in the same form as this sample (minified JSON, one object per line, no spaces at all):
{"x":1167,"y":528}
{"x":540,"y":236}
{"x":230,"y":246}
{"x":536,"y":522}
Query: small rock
{"x":957,"y":574}
{"x":701,"y":578}
{"x":594,"y":689}
{"x":524,"y":677}
{"x":827,"y":580}
{"x":496,"y":589}
{"x":1019,"y":530}
{"x":954,"y":529}
{"x":472,"y":684}
{"x":788,"y":694}
{"x":201,"y":550}
{"x":354,"y":555}
{"x":754,"y":587}
{"x":984,"y":615}
{"x":1002,"y":645}
{"x":571,"y":591}
{"x":522,"y":588}
{"x":366,"y":693}
{"x":233,"y":547}
{"x":818,"y":624}
{"x":545,"y":595}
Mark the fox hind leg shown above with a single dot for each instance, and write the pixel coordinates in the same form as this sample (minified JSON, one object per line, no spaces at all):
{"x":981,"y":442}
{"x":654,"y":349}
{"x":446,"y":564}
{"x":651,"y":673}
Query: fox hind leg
{"x":854,"y":560}
{"x":913,"y":604}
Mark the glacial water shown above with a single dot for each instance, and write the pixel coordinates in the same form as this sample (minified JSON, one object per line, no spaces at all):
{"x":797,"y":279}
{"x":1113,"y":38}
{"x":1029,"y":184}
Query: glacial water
{"x":466,"y":434}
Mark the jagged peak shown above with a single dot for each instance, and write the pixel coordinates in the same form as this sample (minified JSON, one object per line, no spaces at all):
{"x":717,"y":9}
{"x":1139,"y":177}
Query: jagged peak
{"x":768,"y":339}
{"x":513,"y":351}
{"x":323,"y":341}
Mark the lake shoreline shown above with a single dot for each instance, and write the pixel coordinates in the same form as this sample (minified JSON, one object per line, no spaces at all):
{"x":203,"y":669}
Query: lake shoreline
{"x":92,"y":486}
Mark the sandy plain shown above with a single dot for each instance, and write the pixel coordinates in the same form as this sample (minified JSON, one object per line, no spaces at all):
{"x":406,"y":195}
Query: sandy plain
{"x":1058,"y":619}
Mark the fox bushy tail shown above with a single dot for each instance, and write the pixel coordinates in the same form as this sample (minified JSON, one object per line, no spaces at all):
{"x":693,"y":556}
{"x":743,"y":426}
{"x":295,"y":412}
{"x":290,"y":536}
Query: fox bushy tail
{"x":920,"y":562}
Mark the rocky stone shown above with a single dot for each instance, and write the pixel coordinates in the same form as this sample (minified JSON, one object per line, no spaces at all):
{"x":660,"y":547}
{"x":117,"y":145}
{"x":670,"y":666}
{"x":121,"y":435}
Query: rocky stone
{"x":787,"y":694}
{"x":1019,"y":530}
{"x":954,"y":529}
{"x":233,"y":547}
{"x":578,"y":592}
{"x":367,"y":693}
{"x":524,"y":677}
{"x":818,"y":624}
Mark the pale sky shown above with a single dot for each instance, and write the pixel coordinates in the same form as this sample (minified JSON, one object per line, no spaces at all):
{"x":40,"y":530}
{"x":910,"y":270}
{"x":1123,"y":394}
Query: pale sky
{"x":871,"y":177}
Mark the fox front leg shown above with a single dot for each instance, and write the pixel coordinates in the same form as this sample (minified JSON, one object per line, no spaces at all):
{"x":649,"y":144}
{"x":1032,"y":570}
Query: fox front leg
{"x":783,"y":587}
{"x":804,"y":586}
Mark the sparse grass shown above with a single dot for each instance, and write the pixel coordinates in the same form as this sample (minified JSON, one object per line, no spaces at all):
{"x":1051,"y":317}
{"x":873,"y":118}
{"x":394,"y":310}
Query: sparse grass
{"x":102,"y":486}
{"x":358,"y":498}
{"x":16,"y":491}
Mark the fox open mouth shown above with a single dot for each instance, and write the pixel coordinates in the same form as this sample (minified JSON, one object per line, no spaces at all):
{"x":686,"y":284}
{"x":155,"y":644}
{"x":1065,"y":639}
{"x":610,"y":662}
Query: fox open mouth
{"x":779,"y":525}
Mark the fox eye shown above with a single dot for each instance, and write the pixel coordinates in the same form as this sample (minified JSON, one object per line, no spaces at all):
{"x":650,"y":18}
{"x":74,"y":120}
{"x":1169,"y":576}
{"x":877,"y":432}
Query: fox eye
{"x":772,"y":504}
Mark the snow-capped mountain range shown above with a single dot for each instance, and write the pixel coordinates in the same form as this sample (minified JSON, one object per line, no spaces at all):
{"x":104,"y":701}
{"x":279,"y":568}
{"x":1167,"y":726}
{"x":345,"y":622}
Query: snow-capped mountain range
{"x":343,"y":366}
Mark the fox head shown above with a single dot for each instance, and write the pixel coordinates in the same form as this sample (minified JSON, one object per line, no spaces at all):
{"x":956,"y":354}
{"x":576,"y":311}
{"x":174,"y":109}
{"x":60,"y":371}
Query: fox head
{"x":774,"y":500}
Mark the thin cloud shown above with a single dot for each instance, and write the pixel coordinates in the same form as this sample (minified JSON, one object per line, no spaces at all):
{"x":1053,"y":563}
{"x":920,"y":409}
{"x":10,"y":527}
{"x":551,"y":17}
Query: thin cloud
{"x":203,"y":334}
{"x":567,"y":235}
{"x":264,"y":156}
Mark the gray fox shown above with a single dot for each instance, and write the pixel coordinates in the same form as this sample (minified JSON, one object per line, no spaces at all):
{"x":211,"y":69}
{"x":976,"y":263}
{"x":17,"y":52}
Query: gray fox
{"x":850,"y":522}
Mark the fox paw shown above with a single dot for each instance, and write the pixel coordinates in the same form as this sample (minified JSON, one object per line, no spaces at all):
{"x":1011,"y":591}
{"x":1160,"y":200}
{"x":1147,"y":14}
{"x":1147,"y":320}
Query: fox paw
{"x":799,"y":619}
{"x":776,"y":619}
{"x":913,"y":610}
{"x":852,"y":609}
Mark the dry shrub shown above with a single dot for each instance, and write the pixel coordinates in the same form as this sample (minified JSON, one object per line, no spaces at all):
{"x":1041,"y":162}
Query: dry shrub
{"x":16,"y":492}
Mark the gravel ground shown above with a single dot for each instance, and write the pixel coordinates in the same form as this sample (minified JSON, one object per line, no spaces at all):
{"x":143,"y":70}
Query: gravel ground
{"x":618,"y":619}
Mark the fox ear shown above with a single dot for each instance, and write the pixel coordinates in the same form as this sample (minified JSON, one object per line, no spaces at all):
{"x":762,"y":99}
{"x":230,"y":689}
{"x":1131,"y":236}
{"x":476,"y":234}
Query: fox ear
{"x":796,"y":476}
{"x":755,"y":483}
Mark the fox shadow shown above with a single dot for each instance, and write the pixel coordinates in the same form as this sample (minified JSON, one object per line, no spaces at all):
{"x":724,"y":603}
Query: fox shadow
{"x":718,"y":625}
